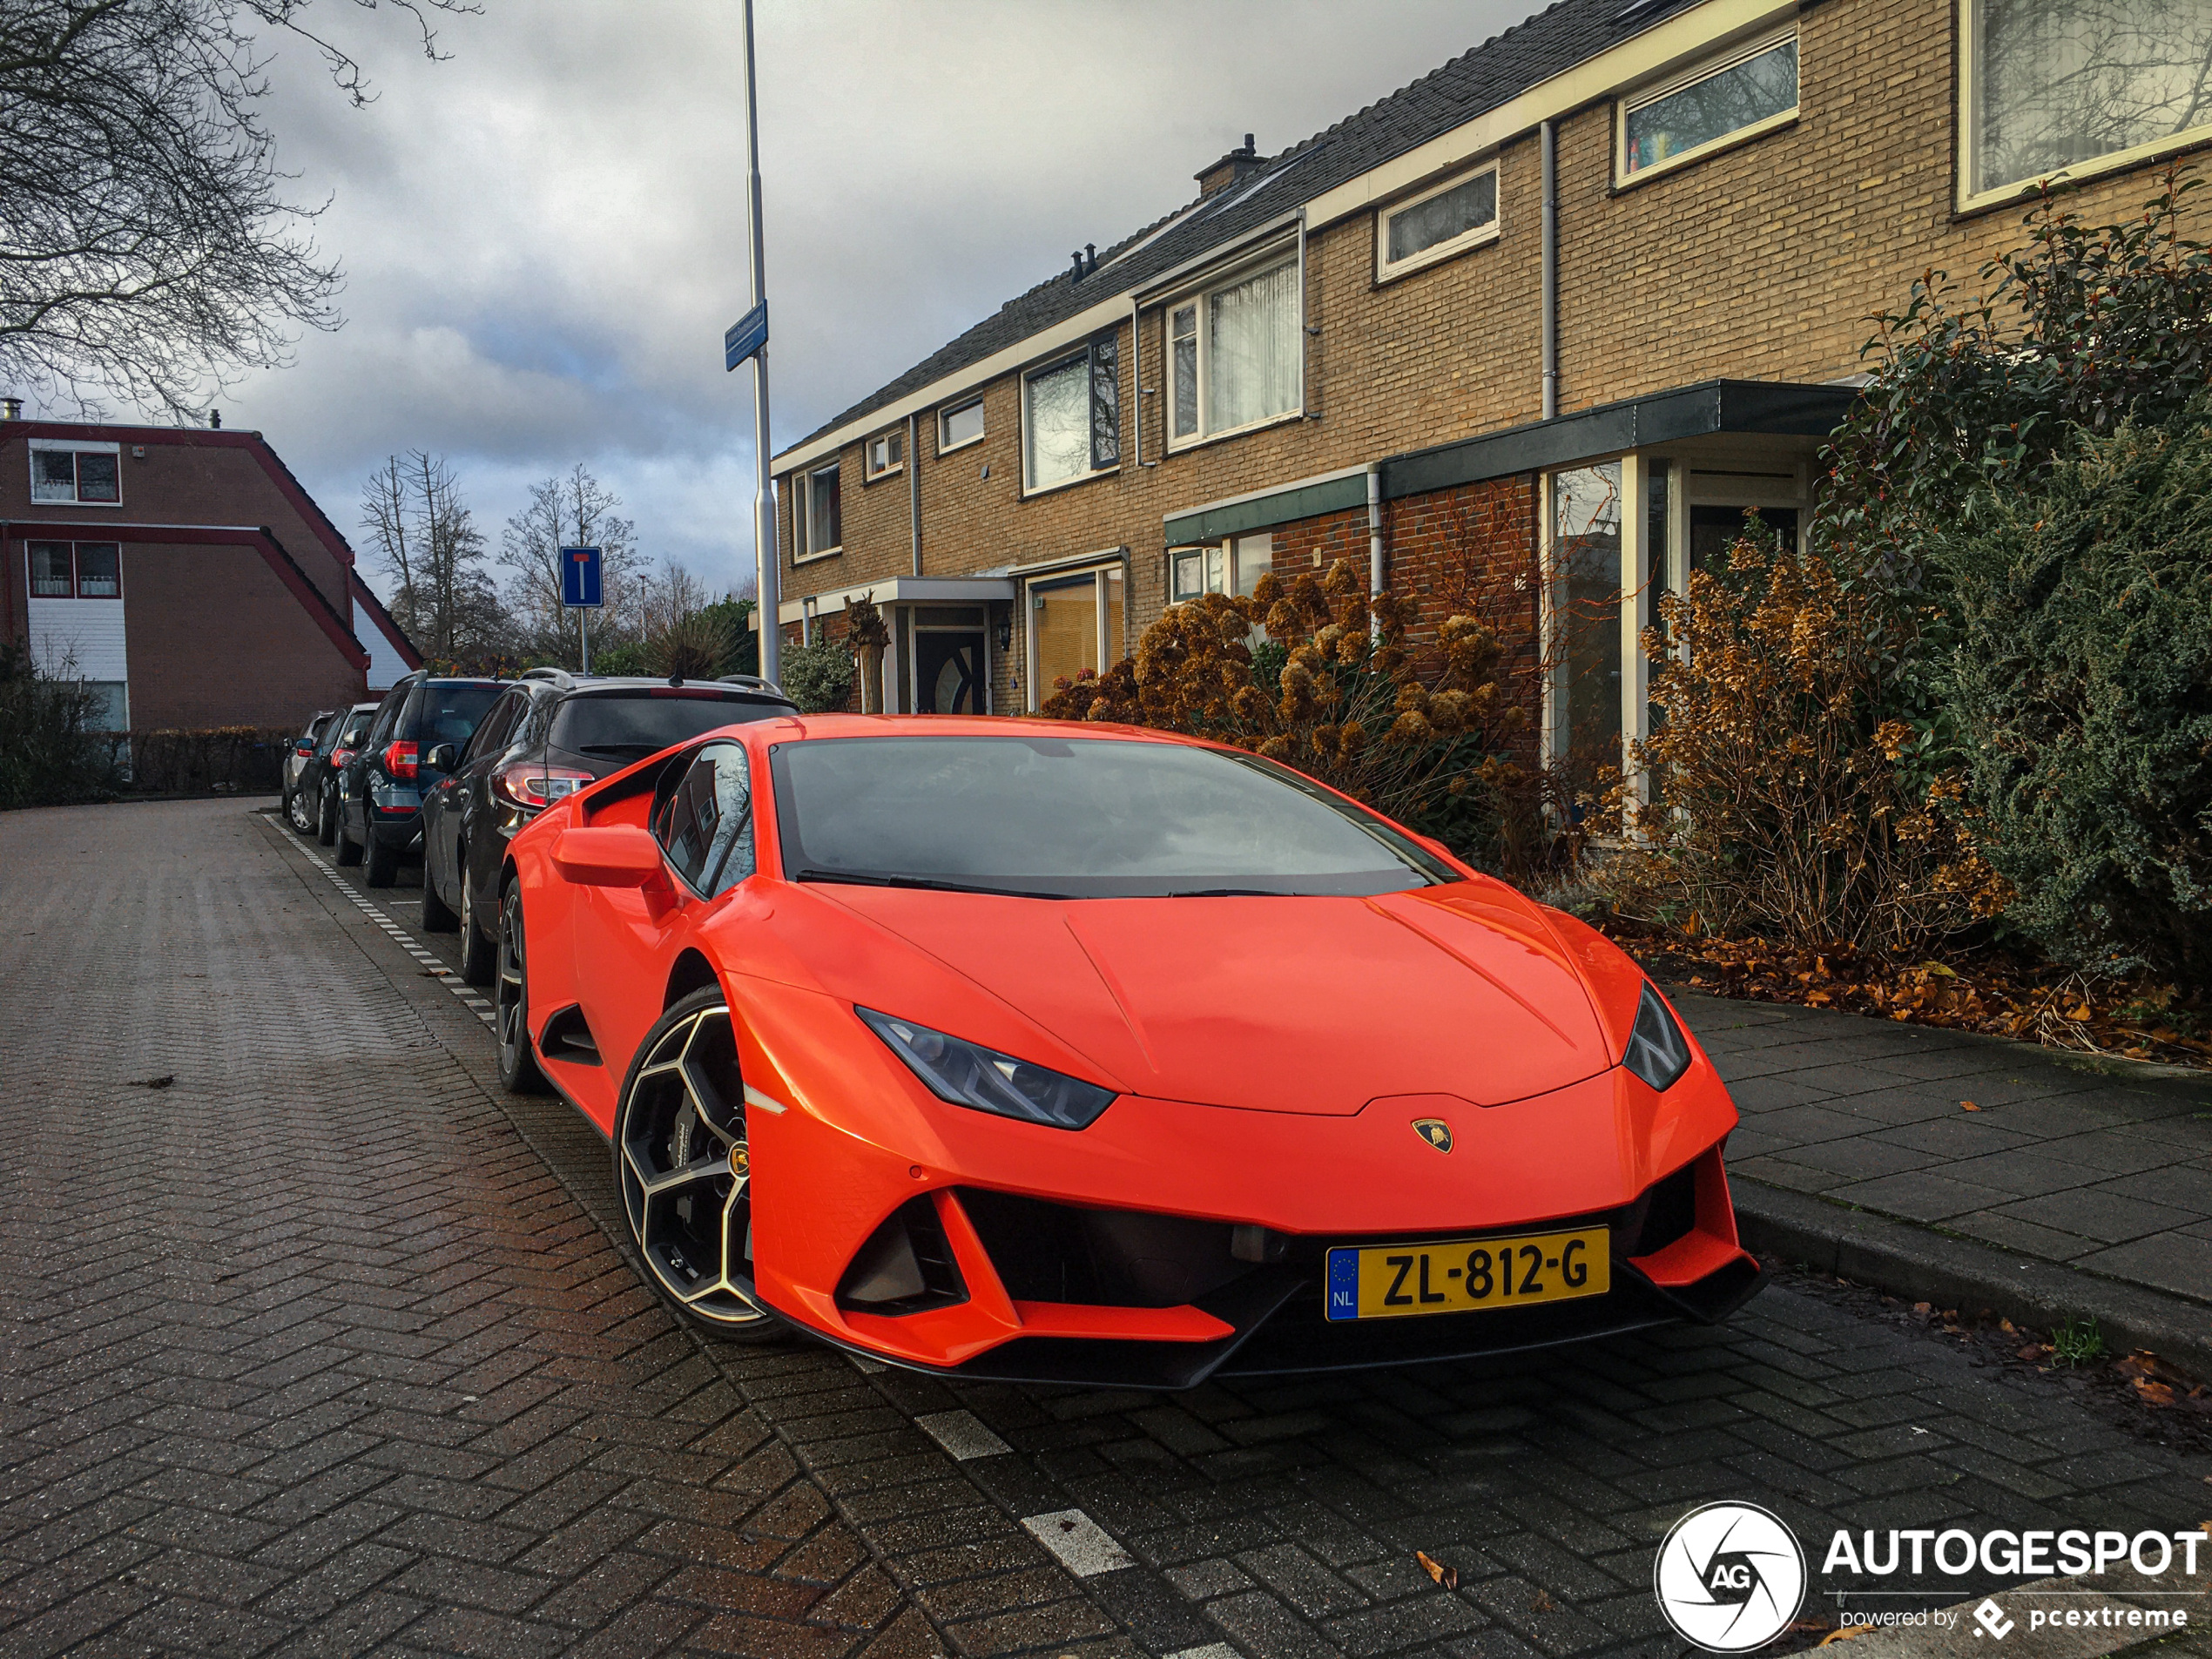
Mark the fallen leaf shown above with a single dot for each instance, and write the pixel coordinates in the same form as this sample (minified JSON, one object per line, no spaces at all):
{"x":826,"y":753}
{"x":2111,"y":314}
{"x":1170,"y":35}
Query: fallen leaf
{"x":2031,"y":1351}
{"x":2154,"y":1393}
{"x":1448,"y":1576}
{"x":1844,"y":1635}
{"x":1544,"y":1603}
{"x":1922,"y":1308}
{"x":154,"y":1083}
{"x":1968,"y":1106}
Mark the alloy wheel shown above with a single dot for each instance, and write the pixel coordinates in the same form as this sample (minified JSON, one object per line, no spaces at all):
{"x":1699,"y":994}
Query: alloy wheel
{"x":518,"y":1067}
{"x":687,"y":1171}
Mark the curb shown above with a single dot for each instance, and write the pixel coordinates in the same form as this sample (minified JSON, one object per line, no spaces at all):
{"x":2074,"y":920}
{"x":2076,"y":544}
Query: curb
{"x":1906,"y":1260}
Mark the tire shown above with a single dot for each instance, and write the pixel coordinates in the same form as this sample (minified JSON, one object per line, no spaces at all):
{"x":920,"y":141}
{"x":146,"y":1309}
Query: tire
{"x":301,"y":815}
{"x":382,"y":858}
{"x":325,"y":819}
{"x":437,"y":915}
{"x":349,"y":850}
{"x":479,"y":955}
{"x":511,"y":1001}
{"x":681,"y":1165}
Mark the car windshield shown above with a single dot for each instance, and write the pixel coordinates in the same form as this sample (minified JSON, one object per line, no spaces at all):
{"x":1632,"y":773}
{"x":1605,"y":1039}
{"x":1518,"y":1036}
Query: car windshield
{"x":631,"y":725}
{"x":449,"y":713}
{"x":1076,"y":818}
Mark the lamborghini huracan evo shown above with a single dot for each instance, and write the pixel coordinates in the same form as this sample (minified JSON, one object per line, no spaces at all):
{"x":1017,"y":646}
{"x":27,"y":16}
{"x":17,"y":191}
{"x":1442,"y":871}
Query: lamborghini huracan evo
{"x":1021,"y":1049}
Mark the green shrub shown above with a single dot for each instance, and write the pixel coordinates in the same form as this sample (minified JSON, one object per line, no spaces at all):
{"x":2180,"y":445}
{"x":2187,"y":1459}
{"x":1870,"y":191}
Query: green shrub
{"x":49,"y":756}
{"x":2081,"y":681}
{"x":193,"y":760}
{"x":818,"y":678}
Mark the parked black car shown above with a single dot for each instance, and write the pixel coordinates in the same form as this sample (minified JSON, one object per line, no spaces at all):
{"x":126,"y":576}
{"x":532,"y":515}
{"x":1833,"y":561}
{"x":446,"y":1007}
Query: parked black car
{"x":295,"y":764}
{"x":314,"y":798}
{"x":422,"y":720}
{"x":550,"y":736}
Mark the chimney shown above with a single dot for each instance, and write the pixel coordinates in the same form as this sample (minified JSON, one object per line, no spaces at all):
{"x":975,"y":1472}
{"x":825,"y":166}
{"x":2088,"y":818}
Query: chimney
{"x":215,"y":419}
{"x":11,"y":408}
{"x":1230,"y":170}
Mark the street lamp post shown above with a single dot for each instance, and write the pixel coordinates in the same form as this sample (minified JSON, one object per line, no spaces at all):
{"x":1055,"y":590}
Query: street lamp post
{"x":763,"y":500}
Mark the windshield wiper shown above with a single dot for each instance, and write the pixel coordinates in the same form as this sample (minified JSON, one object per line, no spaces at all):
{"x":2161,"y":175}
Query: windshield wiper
{"x":850,"y":878}
{"x":1230,"y":893}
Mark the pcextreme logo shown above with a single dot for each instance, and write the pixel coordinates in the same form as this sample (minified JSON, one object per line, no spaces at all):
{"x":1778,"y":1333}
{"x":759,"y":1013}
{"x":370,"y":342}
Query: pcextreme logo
{"x":1729,"y":1577}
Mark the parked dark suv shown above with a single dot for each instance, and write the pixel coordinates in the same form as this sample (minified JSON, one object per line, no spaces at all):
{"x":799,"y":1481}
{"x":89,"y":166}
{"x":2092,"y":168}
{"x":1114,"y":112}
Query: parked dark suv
{"x":314,"y":798}
{"x":379,"y":794}
{"x":548,"y":737}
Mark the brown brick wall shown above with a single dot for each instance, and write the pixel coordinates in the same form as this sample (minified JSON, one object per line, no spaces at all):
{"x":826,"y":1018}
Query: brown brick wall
{"x":1762,"y":262}
{"x":215,"y":638}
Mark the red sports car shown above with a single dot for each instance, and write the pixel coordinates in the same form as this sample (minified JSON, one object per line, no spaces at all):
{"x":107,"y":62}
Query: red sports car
{"x":1021,"y":1049}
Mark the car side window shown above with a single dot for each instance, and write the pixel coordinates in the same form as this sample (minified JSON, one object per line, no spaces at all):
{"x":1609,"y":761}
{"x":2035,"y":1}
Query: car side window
{"x":491,"y":735}
{"x":387,"y":714}
{"x":706,"y":825}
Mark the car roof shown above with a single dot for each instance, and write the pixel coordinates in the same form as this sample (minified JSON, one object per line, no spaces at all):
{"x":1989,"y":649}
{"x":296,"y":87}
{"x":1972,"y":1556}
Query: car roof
{"x":818,"y":726}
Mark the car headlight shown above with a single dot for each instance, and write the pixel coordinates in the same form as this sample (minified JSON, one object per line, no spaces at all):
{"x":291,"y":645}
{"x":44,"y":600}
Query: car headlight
{"x":1658,"y":1052}
{"x":967,"y":1074}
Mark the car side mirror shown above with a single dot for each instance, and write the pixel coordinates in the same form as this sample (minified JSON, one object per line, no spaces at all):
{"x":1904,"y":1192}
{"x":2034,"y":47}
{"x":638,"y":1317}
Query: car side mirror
{"x":440,"y":757}
{"x":305,"y":746}
{"x":615,"y":855}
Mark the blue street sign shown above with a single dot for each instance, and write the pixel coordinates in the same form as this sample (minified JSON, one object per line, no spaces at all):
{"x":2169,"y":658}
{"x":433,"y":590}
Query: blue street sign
{"x":747,"y":335}
{"x":580,"y":578}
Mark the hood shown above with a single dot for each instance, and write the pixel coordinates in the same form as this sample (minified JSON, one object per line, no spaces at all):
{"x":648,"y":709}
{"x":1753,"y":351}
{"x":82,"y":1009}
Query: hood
{"x":1308,"y":1005}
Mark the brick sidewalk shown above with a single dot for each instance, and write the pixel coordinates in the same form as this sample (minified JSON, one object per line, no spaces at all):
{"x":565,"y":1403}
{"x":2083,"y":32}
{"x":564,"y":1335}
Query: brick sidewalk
{"x":2103,"y":1165}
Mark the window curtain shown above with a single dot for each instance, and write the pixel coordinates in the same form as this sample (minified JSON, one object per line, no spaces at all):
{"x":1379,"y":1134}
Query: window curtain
{"x":1252,"y":349}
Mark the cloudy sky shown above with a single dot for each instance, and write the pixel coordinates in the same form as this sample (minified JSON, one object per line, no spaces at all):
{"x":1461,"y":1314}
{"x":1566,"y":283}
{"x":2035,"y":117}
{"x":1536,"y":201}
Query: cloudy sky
{"x":545,"y":234}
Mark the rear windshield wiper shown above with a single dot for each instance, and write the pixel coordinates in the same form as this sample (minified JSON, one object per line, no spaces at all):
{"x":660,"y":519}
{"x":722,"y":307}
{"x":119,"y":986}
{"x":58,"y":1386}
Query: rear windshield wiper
{"x":850,"y":878}
{"x":622,"y":750}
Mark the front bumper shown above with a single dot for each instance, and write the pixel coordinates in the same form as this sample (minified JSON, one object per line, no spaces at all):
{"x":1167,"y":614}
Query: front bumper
{"x":1676,"y":1259}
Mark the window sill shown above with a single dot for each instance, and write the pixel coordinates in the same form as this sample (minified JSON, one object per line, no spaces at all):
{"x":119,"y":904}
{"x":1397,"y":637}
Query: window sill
{"x":878,"y":478}
{"x":1719,"y":146}
{"x":1030,"y":492}
{"x":1185,"y":445}
{"x":74,"y":504}
{"x":965,"y":443}
{"x":1441,"y":253}
{"x":2119,"y":161}
{"x":798,"y":559}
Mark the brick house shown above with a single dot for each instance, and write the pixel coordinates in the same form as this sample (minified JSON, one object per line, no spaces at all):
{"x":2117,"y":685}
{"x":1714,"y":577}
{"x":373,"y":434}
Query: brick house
{"x":1525,"y":337}
{"x":183,"y":574}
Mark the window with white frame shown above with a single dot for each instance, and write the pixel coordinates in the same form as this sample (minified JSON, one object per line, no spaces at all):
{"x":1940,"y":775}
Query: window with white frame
{"x":1749,"y":89}
{"x":2051,"y":86}
{"x":78,"y":475}
{"x":1455,"y":216}
{"x":960,"y":425}
{"x":1072,"y":416}
{"x":816,"y":530}
{"x":887,"y":452}
{"x":1234,"y":355}
{"x":76,"y":570}
{"x":1234,"y":566}
{"x":1074,"y":626}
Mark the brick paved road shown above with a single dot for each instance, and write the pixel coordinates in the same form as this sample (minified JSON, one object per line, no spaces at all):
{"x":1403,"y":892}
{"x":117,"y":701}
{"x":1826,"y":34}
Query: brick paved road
{"x":2104,"y":1165}
{"x":323,"y":1349}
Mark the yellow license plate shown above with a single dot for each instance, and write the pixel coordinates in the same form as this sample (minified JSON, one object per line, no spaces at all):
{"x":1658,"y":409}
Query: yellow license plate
{"x":1467,"y":1275}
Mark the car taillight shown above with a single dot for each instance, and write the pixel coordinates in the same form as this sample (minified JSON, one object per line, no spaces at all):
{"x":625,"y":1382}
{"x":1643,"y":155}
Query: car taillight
{"x":305,"y":746}
{"x":533,"y":784}
{"x":399,"y":758}
{"x":338,"y":757}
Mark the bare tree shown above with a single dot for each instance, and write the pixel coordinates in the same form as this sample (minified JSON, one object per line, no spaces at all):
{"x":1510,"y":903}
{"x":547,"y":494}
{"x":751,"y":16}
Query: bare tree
{"x":427,"y":536}
{"x":574,"y":510}
{"x":146,"y":249}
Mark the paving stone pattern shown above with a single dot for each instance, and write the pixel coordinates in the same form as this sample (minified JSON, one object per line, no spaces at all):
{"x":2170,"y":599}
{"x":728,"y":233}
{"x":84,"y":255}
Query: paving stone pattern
{"x":325,"y":1349}
{"x":2106,"y":1166}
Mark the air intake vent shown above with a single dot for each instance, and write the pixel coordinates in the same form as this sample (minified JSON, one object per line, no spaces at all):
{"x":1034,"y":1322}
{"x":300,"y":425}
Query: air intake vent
{"x":906,"y":1266}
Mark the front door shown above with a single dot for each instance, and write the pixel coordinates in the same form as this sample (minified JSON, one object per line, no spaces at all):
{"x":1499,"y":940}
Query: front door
{"x":948,"y":673}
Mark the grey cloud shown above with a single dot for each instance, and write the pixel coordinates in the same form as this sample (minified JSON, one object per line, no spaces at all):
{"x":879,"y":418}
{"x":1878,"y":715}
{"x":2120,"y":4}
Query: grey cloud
{"x":545,"y":235}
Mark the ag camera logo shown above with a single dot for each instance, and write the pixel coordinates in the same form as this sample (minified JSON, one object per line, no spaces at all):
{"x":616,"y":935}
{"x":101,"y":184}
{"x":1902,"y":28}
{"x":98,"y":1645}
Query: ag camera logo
{"x":1729,"y":1577}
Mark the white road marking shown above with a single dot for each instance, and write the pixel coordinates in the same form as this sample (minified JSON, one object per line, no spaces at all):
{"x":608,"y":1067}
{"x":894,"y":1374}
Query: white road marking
{"x":443,"y":975}
{"x":1083,"y":1547}
{"x":961,"y":1433}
